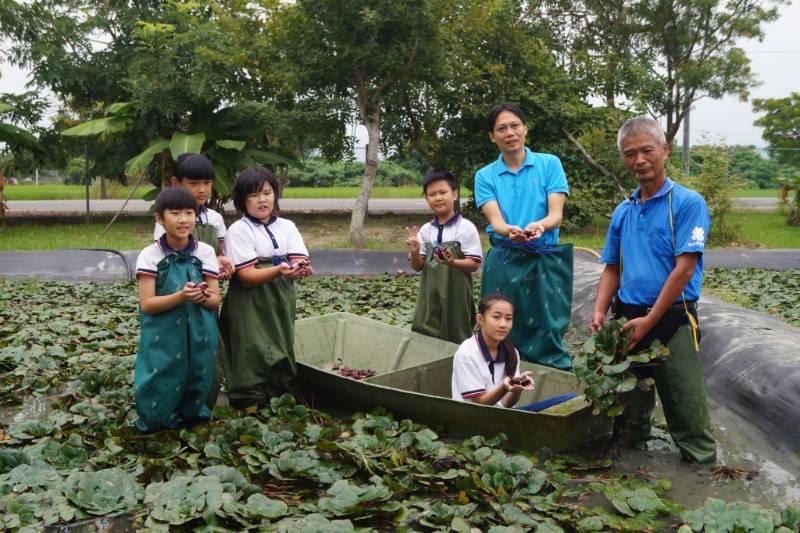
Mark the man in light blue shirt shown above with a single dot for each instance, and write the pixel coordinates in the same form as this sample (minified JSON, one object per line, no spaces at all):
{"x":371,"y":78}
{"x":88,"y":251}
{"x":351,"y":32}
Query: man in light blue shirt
{"x":653,"y":269}
{"x":522,"y":194}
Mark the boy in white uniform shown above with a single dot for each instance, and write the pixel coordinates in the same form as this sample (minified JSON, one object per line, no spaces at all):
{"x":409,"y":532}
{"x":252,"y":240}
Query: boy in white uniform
{"x":447,"y":250}
{"x":195,"y":173}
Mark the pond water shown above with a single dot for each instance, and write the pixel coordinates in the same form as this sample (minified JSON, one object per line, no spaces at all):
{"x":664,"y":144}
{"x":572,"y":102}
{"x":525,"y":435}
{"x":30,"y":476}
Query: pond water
{"x":775,"y":479}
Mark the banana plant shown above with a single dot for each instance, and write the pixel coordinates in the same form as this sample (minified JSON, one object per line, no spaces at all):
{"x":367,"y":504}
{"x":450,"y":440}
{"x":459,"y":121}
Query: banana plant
{"x":15,"y":136}
{"x":233,"y":138}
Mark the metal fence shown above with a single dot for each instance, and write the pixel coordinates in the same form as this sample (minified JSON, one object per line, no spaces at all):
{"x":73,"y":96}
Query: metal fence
{"x":50,"y":197}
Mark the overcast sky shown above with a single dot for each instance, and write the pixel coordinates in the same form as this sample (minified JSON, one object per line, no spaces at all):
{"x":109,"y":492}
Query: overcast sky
{"x":775,"y":62}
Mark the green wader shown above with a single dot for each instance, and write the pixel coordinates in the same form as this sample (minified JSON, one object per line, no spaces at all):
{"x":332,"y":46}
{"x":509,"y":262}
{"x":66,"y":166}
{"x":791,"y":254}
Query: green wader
{"x":679,"y":380}
{"x":257,"y":328}
{"x":207,"y":233}
{"x":445,"y":303}
{"x":538,"y":279}
{"x":175,"y":362}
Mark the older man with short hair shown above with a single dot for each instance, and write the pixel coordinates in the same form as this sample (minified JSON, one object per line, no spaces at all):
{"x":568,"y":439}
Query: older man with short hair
{"x":653,"y":271}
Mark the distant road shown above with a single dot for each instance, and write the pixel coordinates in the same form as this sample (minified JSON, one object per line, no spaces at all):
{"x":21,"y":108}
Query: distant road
{"x":760,"y":204}
{"x":377,"y":206}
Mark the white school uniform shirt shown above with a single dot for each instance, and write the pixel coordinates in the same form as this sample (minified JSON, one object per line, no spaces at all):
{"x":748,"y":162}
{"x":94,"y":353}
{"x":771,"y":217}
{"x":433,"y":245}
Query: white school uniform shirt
{"x":204,"y":216}
{"x":248,"y":239}
{"x":474,"y":372}
{"x":458,"y":229}
{"x":150,"y":257}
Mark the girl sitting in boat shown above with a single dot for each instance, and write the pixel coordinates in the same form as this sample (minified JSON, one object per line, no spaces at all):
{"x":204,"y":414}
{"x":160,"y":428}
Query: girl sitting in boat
{"x":486,"y":366}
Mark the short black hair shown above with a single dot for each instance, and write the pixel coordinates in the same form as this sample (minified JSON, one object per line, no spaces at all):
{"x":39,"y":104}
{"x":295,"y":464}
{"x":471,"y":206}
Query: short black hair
{"x":252,"y":180}
{"x":175,"y":198}
{"x":439,"y":175}
{"x":505,"y":106}
{"x":194,"y":167}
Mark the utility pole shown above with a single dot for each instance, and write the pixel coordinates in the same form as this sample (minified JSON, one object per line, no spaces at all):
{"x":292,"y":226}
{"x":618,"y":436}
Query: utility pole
{"x":685,"y":150}
{"x":86,"y":180}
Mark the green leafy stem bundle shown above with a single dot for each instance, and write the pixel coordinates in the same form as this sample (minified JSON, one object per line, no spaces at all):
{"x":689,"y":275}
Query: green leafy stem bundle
{"x":604,"y":367}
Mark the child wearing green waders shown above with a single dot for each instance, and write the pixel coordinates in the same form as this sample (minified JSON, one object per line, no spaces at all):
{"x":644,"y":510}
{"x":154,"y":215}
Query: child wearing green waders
{"x":195,"y":173}
{"x":257,"y":319}
{"x":447,"y":250}
{"x":178,"y":299}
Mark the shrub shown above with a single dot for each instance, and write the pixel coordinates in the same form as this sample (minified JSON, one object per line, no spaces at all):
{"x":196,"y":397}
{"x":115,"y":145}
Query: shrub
{"x":715,"y":184}
{"x":319,"y":173}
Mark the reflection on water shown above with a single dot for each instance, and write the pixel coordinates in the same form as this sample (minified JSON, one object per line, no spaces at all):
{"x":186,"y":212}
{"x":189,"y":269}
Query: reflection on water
{"x":33,"y":409}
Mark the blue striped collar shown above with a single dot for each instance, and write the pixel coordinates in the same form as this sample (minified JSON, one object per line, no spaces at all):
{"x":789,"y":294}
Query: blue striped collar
{"x":257,"y":222}
{"x":190,"y":247}
{"x":452,"y":220}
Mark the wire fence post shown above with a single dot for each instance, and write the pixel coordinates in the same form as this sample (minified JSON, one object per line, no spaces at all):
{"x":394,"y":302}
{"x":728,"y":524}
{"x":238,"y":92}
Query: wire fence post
{"x":86,"y":181}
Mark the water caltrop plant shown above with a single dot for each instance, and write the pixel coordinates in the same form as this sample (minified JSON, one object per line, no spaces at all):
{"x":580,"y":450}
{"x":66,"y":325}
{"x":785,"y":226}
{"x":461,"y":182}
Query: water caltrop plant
{"x":286,"y":467}
{"x":604,"y":367}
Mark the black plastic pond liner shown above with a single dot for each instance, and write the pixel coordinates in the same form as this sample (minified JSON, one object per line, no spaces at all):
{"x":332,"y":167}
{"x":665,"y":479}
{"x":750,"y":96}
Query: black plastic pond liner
{"x":68,"y":265}
{"x":751,"y":361}
{"x":752,"y":366}
{"x":112,"y":265}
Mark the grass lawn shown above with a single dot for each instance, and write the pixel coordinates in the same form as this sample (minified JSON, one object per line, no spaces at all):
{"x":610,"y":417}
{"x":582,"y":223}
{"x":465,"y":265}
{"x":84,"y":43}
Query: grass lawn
{"x":755,"y":193}
{"x":765,"y":229}
{"x":385,"y":232}
{"x":115,"y":191}
{"x":57,"y":191}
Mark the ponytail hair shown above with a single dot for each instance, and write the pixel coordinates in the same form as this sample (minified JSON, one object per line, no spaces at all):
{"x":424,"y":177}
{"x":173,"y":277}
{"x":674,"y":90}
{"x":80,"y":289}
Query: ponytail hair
{"x":512,"y":358}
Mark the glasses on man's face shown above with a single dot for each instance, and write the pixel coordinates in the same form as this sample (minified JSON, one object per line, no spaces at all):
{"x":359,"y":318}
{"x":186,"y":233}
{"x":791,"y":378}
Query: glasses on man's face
{"x":516,"y":127}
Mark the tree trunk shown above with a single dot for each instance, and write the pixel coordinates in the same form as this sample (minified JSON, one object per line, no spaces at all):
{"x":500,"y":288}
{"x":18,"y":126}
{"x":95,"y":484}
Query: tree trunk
{"x":372,"y":120}
{"x":167,"y":169}
{"x":103,"y":191}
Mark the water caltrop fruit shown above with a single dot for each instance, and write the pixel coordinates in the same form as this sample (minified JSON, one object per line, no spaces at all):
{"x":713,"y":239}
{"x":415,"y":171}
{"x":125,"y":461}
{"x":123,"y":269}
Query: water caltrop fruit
{"x":521,"y":380}
{"x":352,"y":372}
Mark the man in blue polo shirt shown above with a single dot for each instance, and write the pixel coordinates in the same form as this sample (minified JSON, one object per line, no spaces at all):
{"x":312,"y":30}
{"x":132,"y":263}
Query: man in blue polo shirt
{"x":653,"y":259}
{"x":522,"y":194}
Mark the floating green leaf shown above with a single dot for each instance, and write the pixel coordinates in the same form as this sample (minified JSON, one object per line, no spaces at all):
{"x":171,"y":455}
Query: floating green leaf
{"x":259,"y":506}
{"x":103,"y":492}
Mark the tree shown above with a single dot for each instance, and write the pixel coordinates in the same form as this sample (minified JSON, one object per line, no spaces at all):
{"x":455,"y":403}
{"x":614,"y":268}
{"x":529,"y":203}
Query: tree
{"x":360,"y":50}
{"x":781,"y":123}
{"x":511,"y":59}
{"x":229,"y":137}
{"x":661,"y":56}
{"x":749,"y":165}
{"x":714,"y":183}
{"x":22,"y":148}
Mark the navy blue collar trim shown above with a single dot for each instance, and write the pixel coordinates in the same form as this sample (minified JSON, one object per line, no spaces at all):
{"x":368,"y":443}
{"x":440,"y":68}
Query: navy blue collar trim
{"x":189,"y":248}
{"x":257,"y":222}
{"x":501,"y":350}
{"x":452,"y":220}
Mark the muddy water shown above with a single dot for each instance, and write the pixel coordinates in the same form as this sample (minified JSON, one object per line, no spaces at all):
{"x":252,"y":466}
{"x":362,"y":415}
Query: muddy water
{"x":775,"y":480}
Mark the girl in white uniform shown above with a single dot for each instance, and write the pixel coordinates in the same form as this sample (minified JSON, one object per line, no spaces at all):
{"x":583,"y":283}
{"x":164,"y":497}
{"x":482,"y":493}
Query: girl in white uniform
{"x":486,"y":366}
{"x":257,"y":319}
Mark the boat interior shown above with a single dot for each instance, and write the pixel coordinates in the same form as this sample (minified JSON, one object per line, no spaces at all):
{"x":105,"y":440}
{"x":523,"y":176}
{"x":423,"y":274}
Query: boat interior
{"x":405,"y":360}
